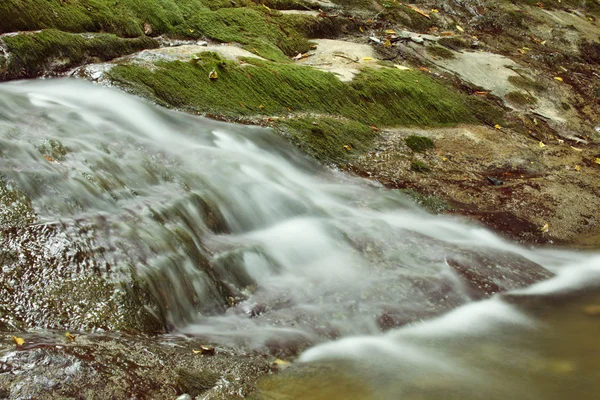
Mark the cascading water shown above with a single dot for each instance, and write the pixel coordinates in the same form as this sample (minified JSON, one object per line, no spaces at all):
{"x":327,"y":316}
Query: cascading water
{"x":245,"y":241}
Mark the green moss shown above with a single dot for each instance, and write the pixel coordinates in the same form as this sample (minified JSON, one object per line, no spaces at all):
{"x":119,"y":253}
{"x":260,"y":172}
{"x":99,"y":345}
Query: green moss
{"x":438,"y":51}
{"x":486,"y":111}
{"x":287,"y":4}
{"x":329,"y":139}
{"x":270,"y":34}
{"x":432,"y":204}
{"x":359,"y":4}
{"x":520,"y":99}
{"x":32,"y":54}
{"x":122,"y":17}
{"x":526,"y":83}
{"x":419,"y":166}
{"x":383,"y":96}
{"x":453,"y":43}
{"x":420,"y":144}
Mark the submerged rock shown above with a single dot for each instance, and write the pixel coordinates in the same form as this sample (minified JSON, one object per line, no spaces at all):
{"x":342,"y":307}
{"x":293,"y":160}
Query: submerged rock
{"x":52,"y":277}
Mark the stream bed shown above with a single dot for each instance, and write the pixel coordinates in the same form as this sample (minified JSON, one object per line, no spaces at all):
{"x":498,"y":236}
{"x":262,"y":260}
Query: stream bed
{"x":232,"y":236}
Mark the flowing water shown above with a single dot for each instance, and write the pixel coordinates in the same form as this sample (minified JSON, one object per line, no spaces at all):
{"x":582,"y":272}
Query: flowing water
{"x":246,"y":242}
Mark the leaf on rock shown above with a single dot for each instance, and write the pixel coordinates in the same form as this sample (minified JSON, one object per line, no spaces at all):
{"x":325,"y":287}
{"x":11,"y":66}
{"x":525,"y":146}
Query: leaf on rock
{"x":19,"y":341}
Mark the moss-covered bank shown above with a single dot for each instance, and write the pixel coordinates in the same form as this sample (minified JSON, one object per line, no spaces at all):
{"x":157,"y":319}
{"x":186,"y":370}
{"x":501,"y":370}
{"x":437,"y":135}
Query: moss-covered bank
{"x":52,"y":51}
{"x":384,"y":96}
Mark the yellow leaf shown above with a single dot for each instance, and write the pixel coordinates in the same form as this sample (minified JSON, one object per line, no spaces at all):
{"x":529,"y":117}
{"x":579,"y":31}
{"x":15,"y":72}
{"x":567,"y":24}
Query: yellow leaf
{"x":387,"y":43}
{"x":542,"y":145}
{"x":347,"y":147}
{"x":213,"y":74}
{"x":402,"y":67}
{"x":70,"y":337}
{"x":367,"y":58}
{"x":597,"y":160}
{"x":526,"y":48}
{"x":191,"y":30}
{"x":205,"y":350}
{"x":543,"y":42}
{"x":435,"y":10}
{"x":281,"y":363}
{"x":390,"y":32}
{"x":545,"y":228}
{"x":360,"y":29}
{"x":558,"y":78}
{"x":19,"y":341}
{"x":266,"y":7}
{"x":444,"y":159}
{"x":577,"y":168}
{"x":497,"y":126}
{"x":261,"y":107}
{"x":460,"y":28}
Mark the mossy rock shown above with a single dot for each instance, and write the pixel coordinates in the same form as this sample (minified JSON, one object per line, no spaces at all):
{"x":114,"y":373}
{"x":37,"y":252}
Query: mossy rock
{"x":419,"y":166}
{"x":123,"y":17}
{"x":329,"y":139}
{"x":420,"y":144}
{"x":53,"y":51}
{"x":520,"y":99}
{"x":383,"y":96}
{"x":523,"y":82}
{"x":441,"y":52}
{"x":453,"y":43}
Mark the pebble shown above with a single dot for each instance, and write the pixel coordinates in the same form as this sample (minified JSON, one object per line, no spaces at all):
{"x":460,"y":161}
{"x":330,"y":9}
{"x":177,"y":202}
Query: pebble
{"x":417,"y":39}
{"x":202,"y":43}
{"x":184,"y":397}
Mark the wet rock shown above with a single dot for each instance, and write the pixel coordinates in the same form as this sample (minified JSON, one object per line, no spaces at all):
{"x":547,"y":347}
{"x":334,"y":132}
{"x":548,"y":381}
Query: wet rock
{"x":486,"y":273}
{"x":136,"y":366}
{"x":494,"y":181}
{"x":417,"y":39}
{"x":51,"y":279}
